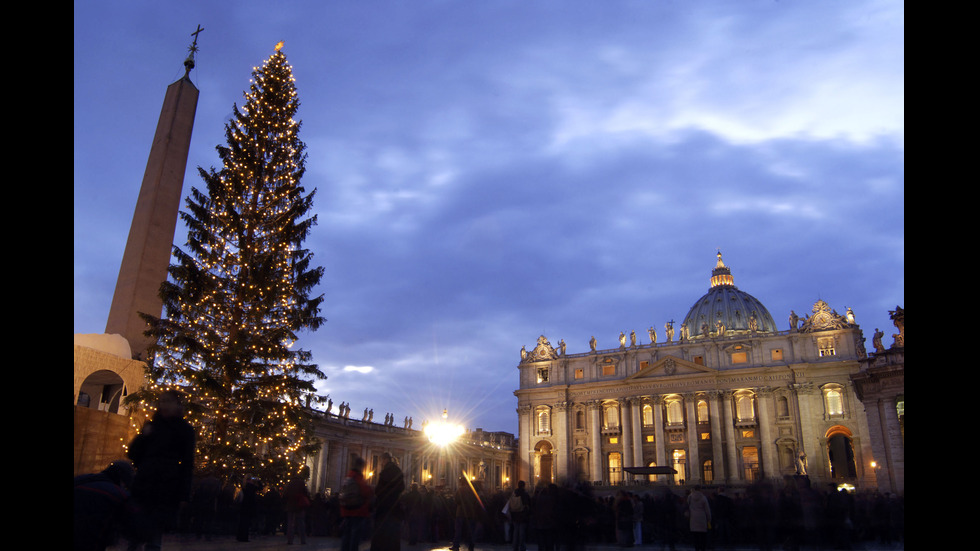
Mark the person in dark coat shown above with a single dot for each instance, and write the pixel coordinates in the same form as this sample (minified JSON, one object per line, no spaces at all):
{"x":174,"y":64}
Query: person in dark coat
{"x":357,"y":516}
{"x":387,"y":512}
{"x":297,"y":502}
{"x":519,"y":507}
{"x":249,"y":506}
{"x":163,"y":454}
{"x":468,"y":513}
{"x":102,"y":508}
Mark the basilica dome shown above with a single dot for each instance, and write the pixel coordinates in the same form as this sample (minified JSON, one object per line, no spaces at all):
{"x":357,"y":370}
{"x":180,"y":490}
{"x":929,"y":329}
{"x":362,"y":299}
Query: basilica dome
{"x":726,"y":310}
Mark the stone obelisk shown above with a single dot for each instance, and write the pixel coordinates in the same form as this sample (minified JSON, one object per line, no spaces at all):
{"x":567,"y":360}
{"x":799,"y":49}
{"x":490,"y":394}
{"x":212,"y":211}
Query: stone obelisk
{"x":151,"y":234}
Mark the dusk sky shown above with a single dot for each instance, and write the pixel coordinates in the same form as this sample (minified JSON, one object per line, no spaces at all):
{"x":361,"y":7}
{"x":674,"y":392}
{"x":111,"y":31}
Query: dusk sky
{"x":491,"y":171}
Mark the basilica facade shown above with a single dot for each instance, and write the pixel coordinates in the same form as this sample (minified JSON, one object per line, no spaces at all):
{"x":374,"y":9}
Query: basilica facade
{"x":728,"y":399}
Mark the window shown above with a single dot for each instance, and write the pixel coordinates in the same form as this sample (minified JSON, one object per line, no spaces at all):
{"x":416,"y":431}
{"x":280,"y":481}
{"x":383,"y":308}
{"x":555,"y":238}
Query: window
{"x":702,"y":411}
{"x":647,"y":414}
{"x":608,"y":369}
{"x":580,"y":420}
{"x":615,"y":468}
{"x":543,"y":375}
{"x":776,"y":354}
{"x":826,"y":347}
{"x":544,"y":422}
{"x":579,"y":373}
{"x":675,"y":412}
{"x":611,"y":417}
{"x":750,"y":463}
{"x":614,"y":440}
{"x":782,"y":407}
{"x":707,"y":472}
{"x":678,"y":460}
{"x":699,"y":360}
{"x":739,"y":354}
{"x":649,"y":438}
{"x":833,"y":398}
{"x":705,"y":436}
{"x":745,"y":407}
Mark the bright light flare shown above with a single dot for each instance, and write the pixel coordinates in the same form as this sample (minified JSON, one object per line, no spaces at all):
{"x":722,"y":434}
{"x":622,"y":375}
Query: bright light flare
{"x":443,"y":433}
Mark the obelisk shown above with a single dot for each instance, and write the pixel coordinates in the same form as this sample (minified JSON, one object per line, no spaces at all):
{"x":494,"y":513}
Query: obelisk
{"x":151,"y":234}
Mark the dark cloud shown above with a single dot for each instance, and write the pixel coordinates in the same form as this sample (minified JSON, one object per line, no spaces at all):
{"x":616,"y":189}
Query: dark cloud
{"x":488,"y":173}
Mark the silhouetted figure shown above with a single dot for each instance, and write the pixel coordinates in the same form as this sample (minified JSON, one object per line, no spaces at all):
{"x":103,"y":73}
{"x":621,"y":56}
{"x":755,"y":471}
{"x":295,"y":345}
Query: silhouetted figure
{"x":700,"y":518}
{"x":101,"y":507}
{"x":468,"y":513}
{"x":204,"y":505}
{"x":250,"y":504}
{"x":163,"y":454}
{"x":519,"y":505}
{"x":387,"y":512}
{"x":297,"y":502}
{"x":355,"y":506}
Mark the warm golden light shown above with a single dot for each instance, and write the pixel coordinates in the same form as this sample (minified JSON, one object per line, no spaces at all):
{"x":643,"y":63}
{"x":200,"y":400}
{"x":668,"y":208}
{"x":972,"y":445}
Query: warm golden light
{"x":280,"y":45}
{"x":442,"y":433}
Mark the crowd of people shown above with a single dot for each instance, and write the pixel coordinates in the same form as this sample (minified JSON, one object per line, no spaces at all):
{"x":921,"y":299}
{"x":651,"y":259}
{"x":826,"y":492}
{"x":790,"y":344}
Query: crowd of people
{"x":766,"y":515}
{"x":789,"y":515}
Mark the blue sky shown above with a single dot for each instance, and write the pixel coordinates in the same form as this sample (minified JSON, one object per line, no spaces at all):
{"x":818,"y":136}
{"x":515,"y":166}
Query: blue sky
{"x":488,"y":172}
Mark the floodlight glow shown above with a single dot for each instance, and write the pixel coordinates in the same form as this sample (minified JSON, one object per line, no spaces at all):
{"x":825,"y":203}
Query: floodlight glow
{"x":442,"y":433}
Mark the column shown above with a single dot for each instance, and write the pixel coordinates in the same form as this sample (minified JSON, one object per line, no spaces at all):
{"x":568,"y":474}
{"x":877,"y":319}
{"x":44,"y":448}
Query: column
{"x":562,"y":439}
{"x":658,"y":427}
{"x":319,"y":478}
{"x":717,"y":435}
{"x":524,"y":450}
{"x":627,"y":433}
{"x":770,"y":463}
{"x":595,"y":434}
{"x":636,"y":413}
{"x":808,"y":396}
{"x":693,"y":455}
{"x":734,"y":471}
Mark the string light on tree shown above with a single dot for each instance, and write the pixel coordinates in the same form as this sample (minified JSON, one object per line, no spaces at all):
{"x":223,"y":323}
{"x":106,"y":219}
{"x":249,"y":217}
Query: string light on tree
{"x":239,"y":293}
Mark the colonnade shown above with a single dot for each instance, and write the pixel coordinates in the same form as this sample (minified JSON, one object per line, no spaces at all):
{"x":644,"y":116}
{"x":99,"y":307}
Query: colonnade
{"x":632,"y":432}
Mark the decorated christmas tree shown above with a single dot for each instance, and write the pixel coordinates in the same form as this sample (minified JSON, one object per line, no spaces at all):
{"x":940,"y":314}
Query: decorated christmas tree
{"x":241,"y":292}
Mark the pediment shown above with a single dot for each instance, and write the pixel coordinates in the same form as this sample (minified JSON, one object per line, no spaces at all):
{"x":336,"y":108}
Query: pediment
{"x":670,"y":366}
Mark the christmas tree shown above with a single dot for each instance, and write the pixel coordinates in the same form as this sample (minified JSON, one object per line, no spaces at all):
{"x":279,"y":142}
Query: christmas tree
{"x":240,"y":293}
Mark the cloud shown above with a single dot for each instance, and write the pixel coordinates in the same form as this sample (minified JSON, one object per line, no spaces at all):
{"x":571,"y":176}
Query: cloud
{"x":359,"y":368}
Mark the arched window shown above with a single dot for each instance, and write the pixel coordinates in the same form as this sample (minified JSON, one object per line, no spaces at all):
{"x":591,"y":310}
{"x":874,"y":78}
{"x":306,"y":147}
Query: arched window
{"x":647,"y":414}
{"x":702,"y":411}
{"x":745,"y":407}
{"x":782,"y":407}
{"x":833,"y":399}
{"x":675,"y":411}
{"x":611,"y":416}
{"x":544,"y":421}
{"x":707,"y":472}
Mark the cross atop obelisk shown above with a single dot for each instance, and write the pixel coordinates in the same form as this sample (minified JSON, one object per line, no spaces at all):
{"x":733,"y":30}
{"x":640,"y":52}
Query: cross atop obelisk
{"x":190,"y":62}
{"x":147,"y":256}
